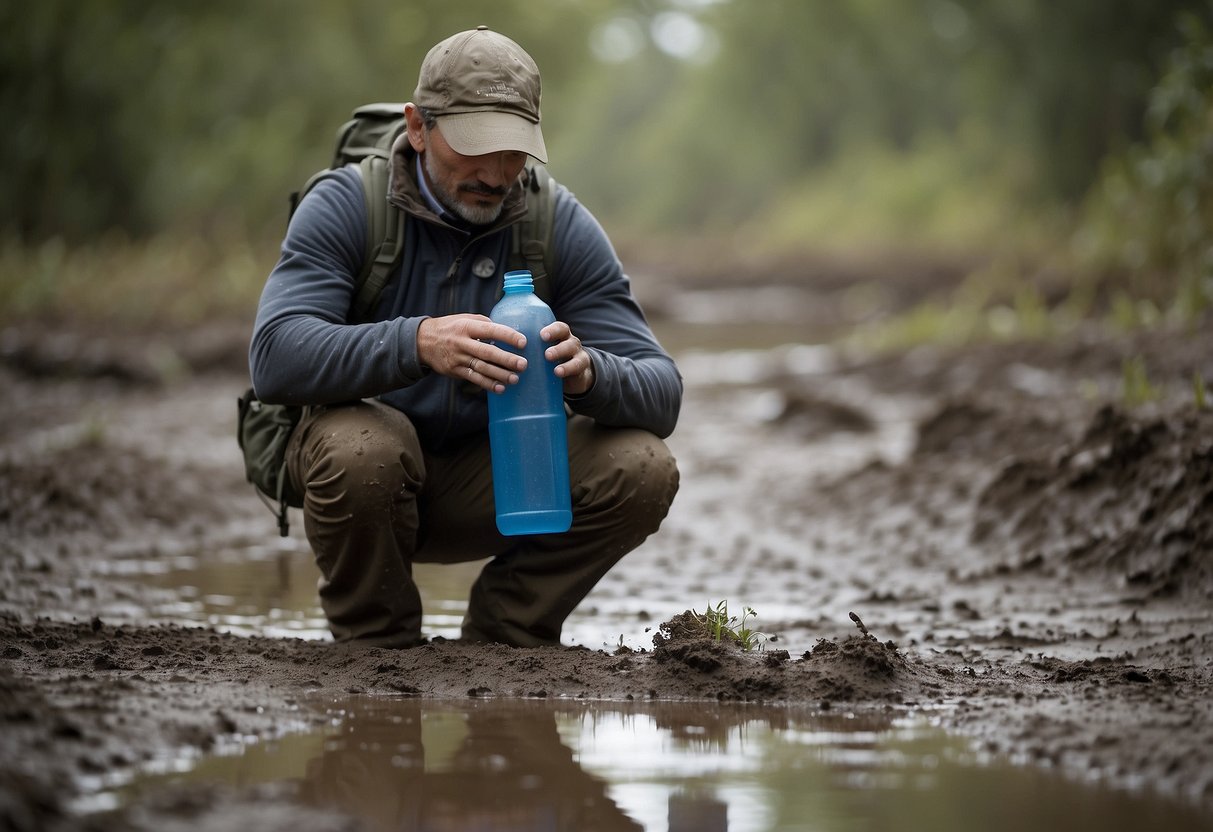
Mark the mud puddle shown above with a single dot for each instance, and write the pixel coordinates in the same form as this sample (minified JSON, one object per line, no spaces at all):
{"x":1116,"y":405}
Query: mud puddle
{"x":407,"y":763}
{"x":271,"y":591}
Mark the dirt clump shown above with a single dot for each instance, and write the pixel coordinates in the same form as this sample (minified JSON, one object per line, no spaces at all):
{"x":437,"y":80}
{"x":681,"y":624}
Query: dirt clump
{"x":971,"y":428}
{"x":686,"y":627}
{"x":1132,"y":497}
{"x":72,"y":489}
{"x":684,"y":639}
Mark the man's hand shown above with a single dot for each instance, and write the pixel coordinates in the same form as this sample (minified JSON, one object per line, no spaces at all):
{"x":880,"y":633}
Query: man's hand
{"x":573,"y":363}
{"x":457,"y":346}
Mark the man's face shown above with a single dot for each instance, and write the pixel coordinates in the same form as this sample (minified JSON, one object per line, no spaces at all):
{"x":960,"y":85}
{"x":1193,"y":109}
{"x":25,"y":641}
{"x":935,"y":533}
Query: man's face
{"x":472,"y":187}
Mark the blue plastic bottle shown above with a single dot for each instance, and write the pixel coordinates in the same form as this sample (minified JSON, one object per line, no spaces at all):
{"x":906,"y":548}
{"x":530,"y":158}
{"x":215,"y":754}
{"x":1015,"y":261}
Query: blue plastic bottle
{"x":528,"y":430}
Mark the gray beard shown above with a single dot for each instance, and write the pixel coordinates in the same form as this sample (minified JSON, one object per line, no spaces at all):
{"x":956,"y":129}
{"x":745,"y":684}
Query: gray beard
{"x":473,"y":214}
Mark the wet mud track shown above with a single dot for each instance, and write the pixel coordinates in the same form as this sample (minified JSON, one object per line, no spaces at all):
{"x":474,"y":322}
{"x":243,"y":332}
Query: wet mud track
{"x":1030,"y":558}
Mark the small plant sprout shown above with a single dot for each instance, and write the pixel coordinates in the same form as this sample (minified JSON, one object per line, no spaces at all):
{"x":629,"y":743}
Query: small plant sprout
{"x":621,"y":647}
{"x":718,"y":625}
{"x":1136,"y":386}
{"x":1198,"y":391}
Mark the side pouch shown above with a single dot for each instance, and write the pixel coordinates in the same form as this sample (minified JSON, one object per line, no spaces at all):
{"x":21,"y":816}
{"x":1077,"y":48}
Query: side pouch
{"x":262,"y":431}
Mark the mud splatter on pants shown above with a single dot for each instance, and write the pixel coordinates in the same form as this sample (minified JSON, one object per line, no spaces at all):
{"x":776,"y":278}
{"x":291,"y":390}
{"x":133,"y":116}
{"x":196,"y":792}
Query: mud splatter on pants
{"x":375,"y":503}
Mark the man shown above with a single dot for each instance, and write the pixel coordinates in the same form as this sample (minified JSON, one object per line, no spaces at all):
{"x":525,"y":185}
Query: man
{"x":393,"y":459}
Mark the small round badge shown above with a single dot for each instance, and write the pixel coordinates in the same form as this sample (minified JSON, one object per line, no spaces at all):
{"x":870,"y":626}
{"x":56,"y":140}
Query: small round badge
{"x":484,"y":267}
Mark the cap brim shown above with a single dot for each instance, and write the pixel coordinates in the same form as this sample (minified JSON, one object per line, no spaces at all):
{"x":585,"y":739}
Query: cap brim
{"x":474,"y":134}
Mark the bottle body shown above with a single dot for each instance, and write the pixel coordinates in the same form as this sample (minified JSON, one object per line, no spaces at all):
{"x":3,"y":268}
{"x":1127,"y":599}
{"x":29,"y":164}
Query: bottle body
{"x":528,"y":429}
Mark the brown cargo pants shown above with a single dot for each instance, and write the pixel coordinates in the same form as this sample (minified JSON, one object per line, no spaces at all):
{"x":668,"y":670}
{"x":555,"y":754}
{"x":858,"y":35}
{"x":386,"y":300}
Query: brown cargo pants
{"x":375,"y":503}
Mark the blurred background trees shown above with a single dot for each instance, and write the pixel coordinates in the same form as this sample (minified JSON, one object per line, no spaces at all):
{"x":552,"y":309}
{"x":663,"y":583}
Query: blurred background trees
{"x":948,"y":125}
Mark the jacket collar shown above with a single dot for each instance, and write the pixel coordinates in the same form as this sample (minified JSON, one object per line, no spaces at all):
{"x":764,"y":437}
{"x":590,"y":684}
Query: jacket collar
{"x":405,"y":193}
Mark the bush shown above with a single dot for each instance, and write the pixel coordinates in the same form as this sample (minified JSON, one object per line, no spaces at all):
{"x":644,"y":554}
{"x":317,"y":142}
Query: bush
{"x":1151,"y":213}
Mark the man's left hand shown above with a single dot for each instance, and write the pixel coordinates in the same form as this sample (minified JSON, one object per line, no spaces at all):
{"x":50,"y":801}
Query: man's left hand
{"x":573,"y":363}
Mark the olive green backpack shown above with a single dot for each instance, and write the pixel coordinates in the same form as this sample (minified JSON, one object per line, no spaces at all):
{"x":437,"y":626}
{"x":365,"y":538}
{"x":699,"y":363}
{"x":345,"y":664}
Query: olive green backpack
{"x":366,"y":140}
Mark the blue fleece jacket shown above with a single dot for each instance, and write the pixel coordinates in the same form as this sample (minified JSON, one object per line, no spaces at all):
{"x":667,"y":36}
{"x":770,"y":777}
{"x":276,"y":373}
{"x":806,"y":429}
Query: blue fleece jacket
{"x":304,"y":351}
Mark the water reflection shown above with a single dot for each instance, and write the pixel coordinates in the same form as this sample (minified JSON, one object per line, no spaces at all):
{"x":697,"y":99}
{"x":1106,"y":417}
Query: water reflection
{"x":409,"y":764}
{"x":694,"y":812}
{"x":271,"y":591}
{"x":415,"y":768}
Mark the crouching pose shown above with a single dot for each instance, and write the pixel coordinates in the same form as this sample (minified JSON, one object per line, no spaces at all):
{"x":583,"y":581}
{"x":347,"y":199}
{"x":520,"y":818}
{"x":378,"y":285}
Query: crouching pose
{"x":392,"y":457}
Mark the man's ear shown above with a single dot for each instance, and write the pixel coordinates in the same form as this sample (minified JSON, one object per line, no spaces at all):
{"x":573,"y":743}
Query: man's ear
{"x":416,"y":127}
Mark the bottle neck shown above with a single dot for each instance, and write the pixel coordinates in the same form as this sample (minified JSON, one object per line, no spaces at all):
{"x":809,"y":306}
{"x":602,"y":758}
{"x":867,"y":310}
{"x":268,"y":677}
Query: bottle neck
{"x":518,"y":283}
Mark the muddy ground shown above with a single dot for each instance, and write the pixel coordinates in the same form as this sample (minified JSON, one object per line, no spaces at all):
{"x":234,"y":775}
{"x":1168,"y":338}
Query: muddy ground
{"x":1029,"y":555}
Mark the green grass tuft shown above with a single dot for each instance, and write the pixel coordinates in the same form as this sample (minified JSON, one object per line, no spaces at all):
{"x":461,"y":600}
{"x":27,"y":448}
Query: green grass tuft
{"x":718,"y":625}
{"x":1136,"y":387}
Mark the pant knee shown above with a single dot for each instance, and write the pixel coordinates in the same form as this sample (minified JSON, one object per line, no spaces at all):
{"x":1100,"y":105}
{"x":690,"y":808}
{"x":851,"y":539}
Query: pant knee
{"x":358,"y":454}
{"x":632,"y":473}
{"x":653,"y":472}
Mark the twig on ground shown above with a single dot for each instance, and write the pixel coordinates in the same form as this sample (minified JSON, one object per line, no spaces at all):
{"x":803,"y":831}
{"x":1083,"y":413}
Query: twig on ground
{"x":859,"y":624}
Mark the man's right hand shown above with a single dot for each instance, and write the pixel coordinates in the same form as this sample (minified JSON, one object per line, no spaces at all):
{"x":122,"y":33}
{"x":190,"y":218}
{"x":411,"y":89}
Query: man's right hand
{"x":458,"y":346}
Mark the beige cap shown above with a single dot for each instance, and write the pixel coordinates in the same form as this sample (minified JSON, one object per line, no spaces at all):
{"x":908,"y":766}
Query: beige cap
{"x":484,"y":90}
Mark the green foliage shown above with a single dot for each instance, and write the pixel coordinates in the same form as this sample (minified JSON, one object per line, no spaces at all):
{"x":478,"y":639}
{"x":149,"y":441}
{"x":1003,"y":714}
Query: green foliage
{"x":167,"y":281}
{"x":151,"y":117}
{"x":1145,"y":233}
{"x":718,"y":625}
{"x":1029,"y":93}
{"x":1199,"y":394}
{"x":963,"y":125}
{"x":69,"y":160}
{"x":922,"y":197}
{"x":1082,"y":70}
{"x":997,"y":302}
{"x":1151,"y":213}
{"x":662,"y":114}
{"x":1136,"y":388}
{"x":1129,"y":313}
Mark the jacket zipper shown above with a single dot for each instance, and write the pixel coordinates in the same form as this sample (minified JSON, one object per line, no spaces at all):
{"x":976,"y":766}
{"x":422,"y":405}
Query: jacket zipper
{"x":452,"y":387}
{"x":452,"y":397}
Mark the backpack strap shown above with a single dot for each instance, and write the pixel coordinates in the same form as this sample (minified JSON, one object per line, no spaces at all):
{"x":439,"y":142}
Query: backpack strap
{"x":531,"y":237}
{"x":385,"y":236}
{"x":384,"y":232}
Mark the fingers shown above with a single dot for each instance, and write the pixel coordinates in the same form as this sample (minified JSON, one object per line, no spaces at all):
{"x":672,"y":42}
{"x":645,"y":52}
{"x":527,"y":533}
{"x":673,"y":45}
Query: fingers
{"x":456,"y":346}
{"x":565,"y":349}
{"x":573,"y":363}
{"x":480,"y":328}
{"x":492,"y":376}
{"x":459,"y":346}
